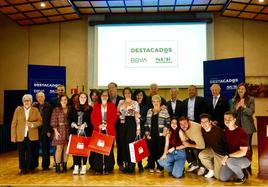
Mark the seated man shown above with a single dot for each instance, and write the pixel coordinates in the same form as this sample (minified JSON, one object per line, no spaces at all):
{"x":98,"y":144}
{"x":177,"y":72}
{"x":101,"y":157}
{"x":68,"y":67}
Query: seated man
{"x":195,"y":143}
{"x":216,"y":149}
{"x":238,"y":158}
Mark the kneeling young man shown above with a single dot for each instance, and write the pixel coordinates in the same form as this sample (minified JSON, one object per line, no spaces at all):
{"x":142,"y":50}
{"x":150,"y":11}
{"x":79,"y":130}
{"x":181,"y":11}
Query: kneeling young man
{"x":238,"y":157}
{"x":215,"y":150}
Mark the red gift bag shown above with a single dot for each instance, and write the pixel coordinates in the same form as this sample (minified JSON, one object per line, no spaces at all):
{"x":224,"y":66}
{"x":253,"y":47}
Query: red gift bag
{"x":138,"y":150}
{"x":77,"y":145}
{"x":101,"y":143}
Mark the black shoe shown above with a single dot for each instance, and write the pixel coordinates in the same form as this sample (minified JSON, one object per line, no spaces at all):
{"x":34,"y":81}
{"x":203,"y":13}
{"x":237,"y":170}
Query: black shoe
{"x":121,"y":168}
{"x":240,"y":181}
{"x":131,"y":168}
{"x":64,"y":167}
{"x":98,"y":173}
{"x":46,"y":169}
{"x":91,"y":170}
{"x":126,"y":169}
{"x":249,"y":170}
{"x":146,"y":167}
{"x":58,"y":168}
{"x":23,"y":172}
{"x":141,"y":170}
{"x":246,"y":173}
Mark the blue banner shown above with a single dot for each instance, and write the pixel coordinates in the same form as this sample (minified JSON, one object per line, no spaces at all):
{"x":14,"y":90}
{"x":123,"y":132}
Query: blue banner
{"x":228,"y":73}
{"x":45,"y":79}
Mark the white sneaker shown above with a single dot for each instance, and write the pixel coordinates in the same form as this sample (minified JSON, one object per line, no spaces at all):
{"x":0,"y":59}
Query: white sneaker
{"x":83,"y":170}
{"x":75,"y":171}
{"x":210,"y":174}
{"x":192,"y":168}
{"x":201,"y":171}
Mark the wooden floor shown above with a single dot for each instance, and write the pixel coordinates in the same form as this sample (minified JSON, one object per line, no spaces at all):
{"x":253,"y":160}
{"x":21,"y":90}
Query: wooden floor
{"x":9,"y":177}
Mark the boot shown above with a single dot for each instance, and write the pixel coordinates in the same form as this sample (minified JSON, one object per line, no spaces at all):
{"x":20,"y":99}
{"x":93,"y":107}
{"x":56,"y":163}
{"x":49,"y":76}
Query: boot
{"x":64,"y":167}
{"x":131,"y":168}
{"x":126,"y":169}
{"x":58,"y":168}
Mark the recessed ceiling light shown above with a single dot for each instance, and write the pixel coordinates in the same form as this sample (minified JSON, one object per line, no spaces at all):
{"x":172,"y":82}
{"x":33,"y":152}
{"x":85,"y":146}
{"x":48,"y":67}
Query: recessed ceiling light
{"x":43,"y":4}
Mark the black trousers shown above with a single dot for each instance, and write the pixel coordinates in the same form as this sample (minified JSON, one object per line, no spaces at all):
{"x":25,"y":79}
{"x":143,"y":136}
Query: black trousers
{"x":192,"y":156}
{"x":103,"y":163}
{"x":26,"y":156}
{"x":119,"y":158}
{"x":156,"y":147}
{"x":45,"y":143}
{"x":77,"y":160}
{"x":127,"y":135}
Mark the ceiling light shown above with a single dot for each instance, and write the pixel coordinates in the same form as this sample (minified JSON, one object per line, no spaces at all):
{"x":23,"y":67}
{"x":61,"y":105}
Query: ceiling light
{"x":261,"y":1}
{"x":43,"y":5}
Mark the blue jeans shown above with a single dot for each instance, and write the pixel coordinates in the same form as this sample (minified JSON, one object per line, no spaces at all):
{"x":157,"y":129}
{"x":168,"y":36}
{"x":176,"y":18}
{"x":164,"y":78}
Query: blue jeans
{"x":174,"y":162}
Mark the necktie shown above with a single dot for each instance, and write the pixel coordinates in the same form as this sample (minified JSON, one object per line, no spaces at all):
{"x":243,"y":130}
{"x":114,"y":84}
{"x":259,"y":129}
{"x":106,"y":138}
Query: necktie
{"x":214,"y":101}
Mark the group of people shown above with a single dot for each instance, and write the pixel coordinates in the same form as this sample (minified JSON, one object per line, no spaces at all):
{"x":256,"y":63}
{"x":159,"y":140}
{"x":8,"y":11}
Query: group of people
{"x":214,"y":138}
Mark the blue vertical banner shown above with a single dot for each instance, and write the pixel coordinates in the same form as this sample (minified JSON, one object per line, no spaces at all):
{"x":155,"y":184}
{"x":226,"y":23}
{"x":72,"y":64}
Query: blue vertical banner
{"x":228,"y":73}
{"x":45,"y":79}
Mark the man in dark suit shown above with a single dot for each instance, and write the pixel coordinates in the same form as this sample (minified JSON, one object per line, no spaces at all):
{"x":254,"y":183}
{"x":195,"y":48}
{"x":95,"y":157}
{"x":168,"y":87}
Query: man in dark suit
{"x":217,"y":106}
{"x":194,"y":105}
{"x":45,"y":131}
{"x":154,"y":91}
{"x":55,"y":100}
{"x":115,"y":99}
{"x":174,"y":106}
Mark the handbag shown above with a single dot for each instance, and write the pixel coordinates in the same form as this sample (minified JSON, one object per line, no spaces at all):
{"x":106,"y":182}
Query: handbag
{"x":78,"y":146}
{"x":101,"y":143}
{"x":138,"y":150}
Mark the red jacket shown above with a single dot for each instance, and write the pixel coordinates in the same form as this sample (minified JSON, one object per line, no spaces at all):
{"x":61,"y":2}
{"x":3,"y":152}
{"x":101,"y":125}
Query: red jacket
{"x":96,"y":118}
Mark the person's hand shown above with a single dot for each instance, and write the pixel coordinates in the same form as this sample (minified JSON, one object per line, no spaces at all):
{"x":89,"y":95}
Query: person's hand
{"x":163,"y":107}
{"x":57,"y":135}
{"x":147,"y":135}
{"x":48,"y":134}
{"x":13,"y":140}
{"x":215,"y":123}
{"x":28,"y":124}
{"x":163,"y":157}
{"x":171,"y":150}
{"x":83,"y":126}
{"x":165,"y":131}
{"x":138,"y":132}
{"x":223,"y":162}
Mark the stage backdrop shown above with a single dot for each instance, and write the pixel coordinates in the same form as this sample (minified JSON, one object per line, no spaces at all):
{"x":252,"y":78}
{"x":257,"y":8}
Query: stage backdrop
{"x":228,"y":73}
{"x":45,"y":78}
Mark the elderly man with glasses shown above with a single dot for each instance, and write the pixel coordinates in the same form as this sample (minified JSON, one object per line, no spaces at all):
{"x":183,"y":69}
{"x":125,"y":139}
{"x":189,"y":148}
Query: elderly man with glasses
{"x":24,"y":132}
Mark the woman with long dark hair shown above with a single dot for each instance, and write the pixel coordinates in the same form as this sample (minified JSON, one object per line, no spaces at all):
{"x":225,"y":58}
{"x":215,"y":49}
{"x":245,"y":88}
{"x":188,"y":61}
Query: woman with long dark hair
{"x":244,"y":108}
{"x":140,"y":96}
{"x":129,"y":115}
{"x":174,"y":156}
{"x":80,"y":123}
{"x":60,"y":125}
